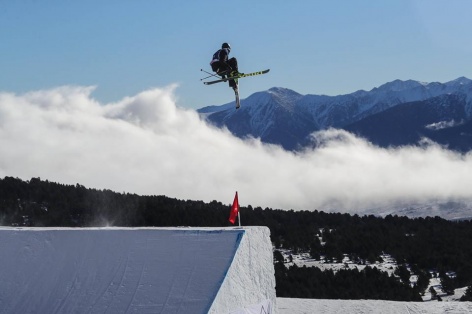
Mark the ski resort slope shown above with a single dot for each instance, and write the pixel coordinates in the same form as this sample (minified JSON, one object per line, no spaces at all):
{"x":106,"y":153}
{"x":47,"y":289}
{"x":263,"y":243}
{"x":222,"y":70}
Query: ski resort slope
{"x":308,"y":306}
{"x":136,"y":270}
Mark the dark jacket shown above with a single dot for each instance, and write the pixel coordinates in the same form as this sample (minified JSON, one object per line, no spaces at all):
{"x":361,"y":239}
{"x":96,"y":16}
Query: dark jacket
{"x":221,"y":55}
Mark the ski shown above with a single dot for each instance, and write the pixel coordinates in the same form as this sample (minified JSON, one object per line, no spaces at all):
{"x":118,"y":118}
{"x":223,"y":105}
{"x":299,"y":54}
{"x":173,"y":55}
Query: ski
{"x":237,"y":77}
{"x":236,"y":94}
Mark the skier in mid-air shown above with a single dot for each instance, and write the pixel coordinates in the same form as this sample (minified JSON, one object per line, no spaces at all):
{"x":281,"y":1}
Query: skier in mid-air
{"x":224,"y":66}
{"x":227,"y":68}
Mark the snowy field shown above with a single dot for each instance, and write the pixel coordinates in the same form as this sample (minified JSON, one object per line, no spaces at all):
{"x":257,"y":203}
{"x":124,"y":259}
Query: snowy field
{"x":309,"y":306}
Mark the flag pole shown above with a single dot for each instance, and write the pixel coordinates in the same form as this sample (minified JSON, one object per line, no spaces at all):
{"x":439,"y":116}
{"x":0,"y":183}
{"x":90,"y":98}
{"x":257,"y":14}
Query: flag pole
{"x":239,"y":213}
{"x":239,"y":217}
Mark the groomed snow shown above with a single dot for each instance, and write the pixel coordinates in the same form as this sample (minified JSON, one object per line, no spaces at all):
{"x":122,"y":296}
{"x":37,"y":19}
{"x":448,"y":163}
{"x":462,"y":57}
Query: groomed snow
{"x":309,"y":306}
{"x":134,"y":270}
{"x":250,"y":282}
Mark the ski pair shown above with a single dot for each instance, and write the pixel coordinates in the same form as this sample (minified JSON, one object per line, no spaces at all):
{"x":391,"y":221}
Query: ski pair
{"x":236,"y":88}
{"x":241,"y":75}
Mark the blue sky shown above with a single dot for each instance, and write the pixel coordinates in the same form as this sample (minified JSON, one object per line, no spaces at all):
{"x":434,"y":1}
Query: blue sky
{"x":124,"y":47}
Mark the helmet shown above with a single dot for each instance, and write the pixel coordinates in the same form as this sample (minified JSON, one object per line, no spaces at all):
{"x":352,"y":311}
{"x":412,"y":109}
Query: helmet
{"x":225,"y":45}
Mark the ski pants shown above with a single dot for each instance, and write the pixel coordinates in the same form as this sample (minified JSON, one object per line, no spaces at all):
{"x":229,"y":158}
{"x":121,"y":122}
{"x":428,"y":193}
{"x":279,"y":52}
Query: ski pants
{"x":219,"y":66}
{"x":231,"y":65}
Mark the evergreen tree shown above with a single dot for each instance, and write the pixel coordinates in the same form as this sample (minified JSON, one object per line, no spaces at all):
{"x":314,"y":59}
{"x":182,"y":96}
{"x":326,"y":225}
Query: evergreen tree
{"x":278,"y":257}
{"x":468,"y":295}
{"x":447,"y":283}
{"x":403,"y":273}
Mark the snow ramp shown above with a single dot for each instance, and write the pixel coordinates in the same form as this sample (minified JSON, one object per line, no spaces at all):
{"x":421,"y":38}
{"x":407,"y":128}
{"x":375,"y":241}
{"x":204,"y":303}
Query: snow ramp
{"x":136,"y":270}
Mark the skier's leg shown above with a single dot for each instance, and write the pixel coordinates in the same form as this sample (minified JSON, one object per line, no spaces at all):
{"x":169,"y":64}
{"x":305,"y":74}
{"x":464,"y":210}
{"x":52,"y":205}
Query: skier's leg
{"x":233,"y":63}
{"x":220,"y":68}
{"x":215,"y":66}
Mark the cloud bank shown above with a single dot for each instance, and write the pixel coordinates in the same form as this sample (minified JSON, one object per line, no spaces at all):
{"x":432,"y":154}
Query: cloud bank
{"x":146,"y":144}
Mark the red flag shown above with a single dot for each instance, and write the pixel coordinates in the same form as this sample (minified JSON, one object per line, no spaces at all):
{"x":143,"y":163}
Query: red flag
{"x":234,"y":209}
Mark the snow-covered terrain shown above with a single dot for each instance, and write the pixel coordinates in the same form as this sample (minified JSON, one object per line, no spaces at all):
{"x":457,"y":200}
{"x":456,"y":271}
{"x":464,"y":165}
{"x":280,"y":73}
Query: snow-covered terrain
{"x":387,"y":265}
{"x":143,"y":270}
{"x":310,"y":306}
{"x":449,"y":304}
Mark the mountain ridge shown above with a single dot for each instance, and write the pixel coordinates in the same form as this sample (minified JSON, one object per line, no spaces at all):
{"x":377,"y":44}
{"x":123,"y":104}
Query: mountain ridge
{"x":284,"y":117}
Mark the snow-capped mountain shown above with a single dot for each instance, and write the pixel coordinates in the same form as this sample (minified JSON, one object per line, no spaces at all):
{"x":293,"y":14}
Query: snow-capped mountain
{"x":283,"y":116}
{"x":270,"y":115}
{"x":442,"y":119}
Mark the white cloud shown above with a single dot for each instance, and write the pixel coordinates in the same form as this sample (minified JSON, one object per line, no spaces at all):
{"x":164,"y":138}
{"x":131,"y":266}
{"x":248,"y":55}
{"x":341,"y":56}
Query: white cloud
{"x":145,"y":144}
{"x":443,"y":125}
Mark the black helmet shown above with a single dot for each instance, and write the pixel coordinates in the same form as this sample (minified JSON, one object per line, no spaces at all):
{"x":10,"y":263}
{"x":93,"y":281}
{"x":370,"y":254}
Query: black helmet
{"x":225,"y":45}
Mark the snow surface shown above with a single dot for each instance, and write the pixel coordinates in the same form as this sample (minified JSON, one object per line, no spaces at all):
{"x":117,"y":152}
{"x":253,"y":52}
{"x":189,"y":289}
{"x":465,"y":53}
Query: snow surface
{"x":305,"y":306}
{"x":135,"y":270}
{"x":251,"y":278}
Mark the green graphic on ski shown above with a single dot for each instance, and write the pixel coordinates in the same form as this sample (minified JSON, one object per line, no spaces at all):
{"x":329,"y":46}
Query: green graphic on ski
{"x":237,"y":77}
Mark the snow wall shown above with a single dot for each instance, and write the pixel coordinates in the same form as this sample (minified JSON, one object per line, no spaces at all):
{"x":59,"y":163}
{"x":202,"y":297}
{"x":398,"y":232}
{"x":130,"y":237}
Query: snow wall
{"x":136,"y":270}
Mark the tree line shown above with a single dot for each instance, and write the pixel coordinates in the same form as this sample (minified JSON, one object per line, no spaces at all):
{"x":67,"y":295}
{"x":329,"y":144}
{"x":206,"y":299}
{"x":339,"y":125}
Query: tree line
{"x":368,"y":283}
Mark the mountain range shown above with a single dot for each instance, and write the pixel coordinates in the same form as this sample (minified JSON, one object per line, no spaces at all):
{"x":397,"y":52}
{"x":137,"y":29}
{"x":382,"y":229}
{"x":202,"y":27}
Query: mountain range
{"x":394,"y":114}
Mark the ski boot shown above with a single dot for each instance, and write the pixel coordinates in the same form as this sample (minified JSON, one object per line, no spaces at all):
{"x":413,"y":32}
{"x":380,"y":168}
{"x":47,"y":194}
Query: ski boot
{"x":235,"y":73}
